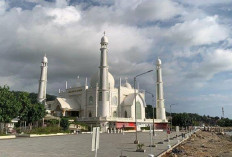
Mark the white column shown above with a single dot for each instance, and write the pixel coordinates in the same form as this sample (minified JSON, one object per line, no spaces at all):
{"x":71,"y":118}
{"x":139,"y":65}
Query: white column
{"x":43,"y":81}
{"x":160,"y":108}
{"x":104,"y":86}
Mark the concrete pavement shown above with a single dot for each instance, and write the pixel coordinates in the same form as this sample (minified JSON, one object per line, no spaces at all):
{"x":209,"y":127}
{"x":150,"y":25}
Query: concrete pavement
{"x":79,"y":145}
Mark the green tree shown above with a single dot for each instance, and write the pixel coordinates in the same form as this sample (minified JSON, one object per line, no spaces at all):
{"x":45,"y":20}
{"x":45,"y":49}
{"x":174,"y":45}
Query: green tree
{"x":24,"y":100}
{"x":33,"y":97}
{"x":149,"y":112}
{"x":29,"y":112}
{"x":224,"y":122}
{"x":34,"y":112}
{"x":64,"y":123}
{"x":9,"y":106}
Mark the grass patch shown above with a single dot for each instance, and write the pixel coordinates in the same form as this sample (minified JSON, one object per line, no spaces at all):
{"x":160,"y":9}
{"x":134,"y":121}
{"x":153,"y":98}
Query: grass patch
{"x":145,"y":128}
{"x":129,"y":128}
{"x":47,"y":130}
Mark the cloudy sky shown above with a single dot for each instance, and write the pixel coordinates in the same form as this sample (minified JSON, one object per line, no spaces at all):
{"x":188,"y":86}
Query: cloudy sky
{"x":193,"y":39}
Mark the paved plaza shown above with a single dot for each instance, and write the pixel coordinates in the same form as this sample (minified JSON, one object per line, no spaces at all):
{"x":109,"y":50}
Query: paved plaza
{"x":79,"y":145}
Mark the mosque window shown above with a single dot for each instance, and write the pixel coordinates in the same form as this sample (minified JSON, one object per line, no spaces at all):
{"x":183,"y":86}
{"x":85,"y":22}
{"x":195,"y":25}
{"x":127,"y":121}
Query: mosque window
{"x":90,"y":114}
{"x":115,"y":114}
{"x":125,"y":114}
{"x":115,"y":100}
{"x":90,"y":100}
{"x":138,"y":110}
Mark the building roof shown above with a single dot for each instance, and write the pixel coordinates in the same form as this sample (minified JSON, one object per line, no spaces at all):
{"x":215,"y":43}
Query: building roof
{"x":68,"y":104}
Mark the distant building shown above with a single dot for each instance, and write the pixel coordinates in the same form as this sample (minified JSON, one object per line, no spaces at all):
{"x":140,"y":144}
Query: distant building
{"x":103,"y":104}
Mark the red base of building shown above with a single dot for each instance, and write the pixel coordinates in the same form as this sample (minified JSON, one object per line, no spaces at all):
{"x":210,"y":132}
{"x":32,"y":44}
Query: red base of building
{"x":158,"y":126}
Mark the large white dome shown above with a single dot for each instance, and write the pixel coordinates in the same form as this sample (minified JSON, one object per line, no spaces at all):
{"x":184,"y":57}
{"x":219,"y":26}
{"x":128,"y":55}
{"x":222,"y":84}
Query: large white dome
{"x":95,"y":79}
{"x":127,"y":85}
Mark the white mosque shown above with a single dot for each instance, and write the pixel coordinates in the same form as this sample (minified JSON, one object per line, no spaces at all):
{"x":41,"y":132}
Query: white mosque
{"x":101,"y":103}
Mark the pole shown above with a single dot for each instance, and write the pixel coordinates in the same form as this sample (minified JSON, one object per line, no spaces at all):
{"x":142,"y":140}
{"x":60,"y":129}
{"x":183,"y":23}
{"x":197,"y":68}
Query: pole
{"x":96,"y":149}
{"x":136,"y":139}
{"x":151,"y":144}
{"x":136,"y":136}
{"x":171,"y":116}
{"x":153,"y":116}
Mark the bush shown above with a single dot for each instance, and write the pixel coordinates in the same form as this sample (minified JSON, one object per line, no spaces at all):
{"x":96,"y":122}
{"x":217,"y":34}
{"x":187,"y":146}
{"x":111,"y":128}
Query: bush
{"x":145,"y":128}
{"x":46,"y":130}
{"x":64,"y":123}
{"x":140,"y":146}
{"x":129,"y":128}
{"x":52,"y":122}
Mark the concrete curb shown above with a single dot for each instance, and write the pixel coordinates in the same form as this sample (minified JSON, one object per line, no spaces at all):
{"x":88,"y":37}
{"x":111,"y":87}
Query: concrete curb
{"x":177,"y":144}
{"x":7,"y":137}
{"x":41,"y":135}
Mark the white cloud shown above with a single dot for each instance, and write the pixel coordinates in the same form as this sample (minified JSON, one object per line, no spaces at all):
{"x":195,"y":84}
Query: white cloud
{"x":198,"y":32}
{"x":65,"y":15}
{"x":3,"y":6}
{"x":205,"y":2}
{"x":156,"y":10}
{"x":213,"y":63}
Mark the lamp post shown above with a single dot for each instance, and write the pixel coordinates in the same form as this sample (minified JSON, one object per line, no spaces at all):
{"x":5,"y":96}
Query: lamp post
{"x":136,"y":136}
{"x":171,"y":115}
{"x":153,"y":115}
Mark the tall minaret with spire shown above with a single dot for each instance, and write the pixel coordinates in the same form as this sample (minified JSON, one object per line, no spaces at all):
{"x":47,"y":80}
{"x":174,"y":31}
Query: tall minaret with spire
{"x":103,"y":104}
{"x":43,"y":81}
{"x":160,"y":108}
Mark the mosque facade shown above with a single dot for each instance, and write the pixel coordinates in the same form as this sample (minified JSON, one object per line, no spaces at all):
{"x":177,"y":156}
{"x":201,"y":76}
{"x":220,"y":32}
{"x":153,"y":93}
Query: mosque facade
{"x":101,"y":103}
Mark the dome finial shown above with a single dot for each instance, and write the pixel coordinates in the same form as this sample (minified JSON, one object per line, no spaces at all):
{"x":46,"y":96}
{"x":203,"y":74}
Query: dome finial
{"x":126,"y":79}
{"x":104,"y":33}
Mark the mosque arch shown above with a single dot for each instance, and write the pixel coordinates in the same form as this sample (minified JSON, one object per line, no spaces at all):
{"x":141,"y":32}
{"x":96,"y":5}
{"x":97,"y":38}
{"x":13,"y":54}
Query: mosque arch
{"x":125,"y":114}
{"x":90,"y":114}
{"x":115,"y":114}
{"x":138,"y":110}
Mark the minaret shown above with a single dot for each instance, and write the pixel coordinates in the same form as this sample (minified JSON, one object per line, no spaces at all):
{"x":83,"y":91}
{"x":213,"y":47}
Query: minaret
{"x":43,"y":81}
{"x":160,"y":108}
{"x":103,"y":105}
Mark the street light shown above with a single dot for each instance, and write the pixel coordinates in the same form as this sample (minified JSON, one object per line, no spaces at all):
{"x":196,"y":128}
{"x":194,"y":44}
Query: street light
{"x":153,"y":130}
{"x":136,"y":139}
{"x":171,"y":115}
